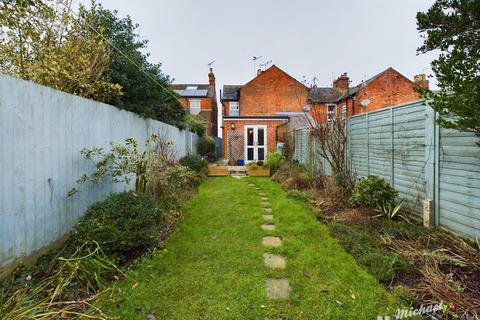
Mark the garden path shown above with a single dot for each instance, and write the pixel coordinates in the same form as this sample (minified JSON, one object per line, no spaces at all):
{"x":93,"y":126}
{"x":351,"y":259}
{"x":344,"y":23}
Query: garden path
{"x":220,"y":263}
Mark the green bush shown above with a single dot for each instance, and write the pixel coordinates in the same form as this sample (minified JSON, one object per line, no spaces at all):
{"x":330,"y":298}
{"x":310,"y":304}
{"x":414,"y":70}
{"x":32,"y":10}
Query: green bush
{"x":172,"y":185}
{"x":207,"y":147}
{"x":124,"y":224}
{"x":196,"y":126}
{"x":195,"y":162}
{"x":273,"y":160}
{"x":371,"y":191}
{"x":260,"y":163}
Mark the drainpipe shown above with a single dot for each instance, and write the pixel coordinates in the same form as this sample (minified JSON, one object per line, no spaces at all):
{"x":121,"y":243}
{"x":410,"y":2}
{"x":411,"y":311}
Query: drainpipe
{"x":353,"y":105}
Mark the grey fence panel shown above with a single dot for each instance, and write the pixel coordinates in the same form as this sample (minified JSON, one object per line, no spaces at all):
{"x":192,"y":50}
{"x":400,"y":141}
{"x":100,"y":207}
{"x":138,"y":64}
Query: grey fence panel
{"x":358,"y":145}
{"x":41,"y":134}
{"x":459,"y":182}
{"x":421,"y":160}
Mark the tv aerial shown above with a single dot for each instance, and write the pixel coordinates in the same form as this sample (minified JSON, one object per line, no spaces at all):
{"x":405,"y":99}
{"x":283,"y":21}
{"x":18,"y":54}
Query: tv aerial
{"x":255,"y":63}
{"x":211,"y":63}
{"x":265,"y":65}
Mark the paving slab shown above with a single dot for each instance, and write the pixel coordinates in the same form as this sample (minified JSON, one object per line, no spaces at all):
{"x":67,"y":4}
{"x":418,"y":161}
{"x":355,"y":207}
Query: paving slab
{"x":274,"y":261}
{"x":267,"y":209}
{"x":270,"y":241}
{"x":278,"y":288}
{"x":268,"y":226}
{"x":267,"y":217}
{"x":264,"y":199}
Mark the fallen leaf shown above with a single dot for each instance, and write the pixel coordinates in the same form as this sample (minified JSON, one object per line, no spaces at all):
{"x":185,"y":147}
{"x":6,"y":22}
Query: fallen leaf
{"x":135,"y":285}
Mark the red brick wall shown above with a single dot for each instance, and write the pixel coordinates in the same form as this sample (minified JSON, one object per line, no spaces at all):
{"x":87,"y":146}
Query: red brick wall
{"x":270,"y":92}
{"x":389,"y":89}
{"x":209,"y":111}
{"x":205,"y":104}
{"x":240,"y":125}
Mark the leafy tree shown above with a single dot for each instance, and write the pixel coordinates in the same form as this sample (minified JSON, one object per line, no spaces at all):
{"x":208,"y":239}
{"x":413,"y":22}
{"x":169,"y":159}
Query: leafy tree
{"x":41,"y":42}
{"x":453,"y":27}
{"x":141,"y":94}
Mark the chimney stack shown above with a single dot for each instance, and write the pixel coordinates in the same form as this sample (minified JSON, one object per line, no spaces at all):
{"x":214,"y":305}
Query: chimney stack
{"x":421,"y":81}
{"x":342,"y":83}
{"x":211,"y":78}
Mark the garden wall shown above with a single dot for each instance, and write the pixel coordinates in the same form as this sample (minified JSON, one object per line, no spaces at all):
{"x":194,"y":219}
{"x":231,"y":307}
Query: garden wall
{"x":41,"y":134}
{"x":406,"y":146}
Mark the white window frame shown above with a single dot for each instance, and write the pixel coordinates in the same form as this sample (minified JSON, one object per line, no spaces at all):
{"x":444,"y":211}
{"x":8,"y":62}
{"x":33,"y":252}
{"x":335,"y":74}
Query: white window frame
{"x":255,"y":145}
{"x":331,"y":115}
{"x":195,"y":106}
{"x":234,"y":112}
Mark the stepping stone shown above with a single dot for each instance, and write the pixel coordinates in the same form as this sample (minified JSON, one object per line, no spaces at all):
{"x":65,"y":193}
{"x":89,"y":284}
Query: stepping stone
{"x":267,"y":209}
{"x":271,"y":241}
{"x":268,"y":226}
{"x":274,"y":261}
{"x":267,"y":217}
{"x":278,"y":288}
{"x":264,"y":199}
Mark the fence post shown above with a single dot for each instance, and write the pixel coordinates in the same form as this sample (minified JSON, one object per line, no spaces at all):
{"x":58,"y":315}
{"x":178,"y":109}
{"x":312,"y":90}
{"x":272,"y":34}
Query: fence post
{"x":437,"y":168}
{"x":368,"y":144}
{"x":392,"y":148}
{"x":430,"y":151}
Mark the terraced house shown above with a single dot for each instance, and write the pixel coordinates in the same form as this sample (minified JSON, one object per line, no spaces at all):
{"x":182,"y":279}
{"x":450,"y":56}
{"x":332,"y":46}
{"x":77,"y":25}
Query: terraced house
{"x":388,"y":88}
{"x":256,"y":114}
{"x":201,"y":99}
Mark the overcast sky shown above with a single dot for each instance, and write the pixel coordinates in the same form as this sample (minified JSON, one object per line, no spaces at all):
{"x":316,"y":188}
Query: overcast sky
{"x":308,"y":38}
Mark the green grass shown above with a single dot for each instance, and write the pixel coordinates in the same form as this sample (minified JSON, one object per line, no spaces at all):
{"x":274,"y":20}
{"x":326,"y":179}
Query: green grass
{"x":212,"y":267}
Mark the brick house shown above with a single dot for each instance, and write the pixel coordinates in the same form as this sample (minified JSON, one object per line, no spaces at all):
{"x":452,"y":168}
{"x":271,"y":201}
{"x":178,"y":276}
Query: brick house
{"x":385,"y":89}
{"x":201,"y":99}
{"x":255,"y":114}
{"x":253,"y":111}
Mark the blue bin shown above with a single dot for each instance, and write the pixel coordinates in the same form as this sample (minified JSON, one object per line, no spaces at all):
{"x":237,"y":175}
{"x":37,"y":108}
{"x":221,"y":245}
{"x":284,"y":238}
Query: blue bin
{"x":240,"y":162}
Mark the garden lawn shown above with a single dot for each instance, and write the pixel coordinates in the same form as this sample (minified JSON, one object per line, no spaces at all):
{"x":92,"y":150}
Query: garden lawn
{"x":212,"y":266}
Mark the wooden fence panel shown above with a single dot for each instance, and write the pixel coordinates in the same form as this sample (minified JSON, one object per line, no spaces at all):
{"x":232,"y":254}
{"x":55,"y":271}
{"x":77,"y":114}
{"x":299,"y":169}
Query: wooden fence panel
{"x":405,"y":145}
{"x":41,"y":134}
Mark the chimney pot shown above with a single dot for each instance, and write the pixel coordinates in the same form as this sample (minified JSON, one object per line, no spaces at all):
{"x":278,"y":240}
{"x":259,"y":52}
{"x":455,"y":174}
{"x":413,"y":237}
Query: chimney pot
{"x":342,"y":83}
{"x":421,"y":81}
{"x":259,"y":71}
{"x":211,"y":78}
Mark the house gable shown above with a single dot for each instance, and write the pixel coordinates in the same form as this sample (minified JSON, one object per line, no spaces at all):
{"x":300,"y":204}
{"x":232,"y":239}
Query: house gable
{"x":387,"y":88}
{"x":272,"y":91}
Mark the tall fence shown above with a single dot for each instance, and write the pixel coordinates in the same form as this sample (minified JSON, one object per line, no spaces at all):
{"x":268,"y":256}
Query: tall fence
{"x":405,"y":145}
{"x":41,"y":134}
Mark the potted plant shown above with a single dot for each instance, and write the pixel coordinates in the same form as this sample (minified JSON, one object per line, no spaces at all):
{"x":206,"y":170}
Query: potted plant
{"x":258,"y":169}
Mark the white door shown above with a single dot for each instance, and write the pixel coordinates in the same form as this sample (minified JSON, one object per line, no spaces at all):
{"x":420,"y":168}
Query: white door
{"x":255,"y":143}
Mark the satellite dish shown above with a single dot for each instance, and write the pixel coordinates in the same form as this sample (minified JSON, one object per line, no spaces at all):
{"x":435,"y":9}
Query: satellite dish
{"x":307,"y":107}
{"x":365,"y":102}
